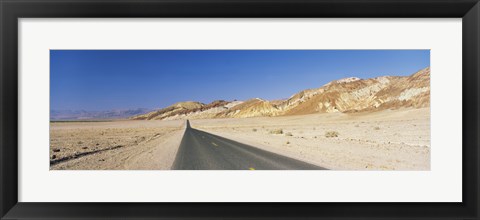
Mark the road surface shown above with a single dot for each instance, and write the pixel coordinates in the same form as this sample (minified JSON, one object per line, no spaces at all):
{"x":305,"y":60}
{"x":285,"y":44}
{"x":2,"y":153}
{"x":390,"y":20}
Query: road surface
{"x":200,"y":150}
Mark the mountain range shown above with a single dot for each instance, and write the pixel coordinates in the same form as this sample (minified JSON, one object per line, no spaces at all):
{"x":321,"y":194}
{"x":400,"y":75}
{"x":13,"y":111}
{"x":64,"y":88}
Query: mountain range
{"x":347,"y":95}
{"x":70,"y":115}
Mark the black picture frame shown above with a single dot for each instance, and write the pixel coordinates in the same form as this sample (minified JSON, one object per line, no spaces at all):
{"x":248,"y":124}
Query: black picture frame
{"x":12,"y":10}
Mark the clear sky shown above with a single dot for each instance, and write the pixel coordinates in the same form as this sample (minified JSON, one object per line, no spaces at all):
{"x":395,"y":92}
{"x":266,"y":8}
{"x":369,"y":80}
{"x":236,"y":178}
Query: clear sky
{"x":124,"y":79}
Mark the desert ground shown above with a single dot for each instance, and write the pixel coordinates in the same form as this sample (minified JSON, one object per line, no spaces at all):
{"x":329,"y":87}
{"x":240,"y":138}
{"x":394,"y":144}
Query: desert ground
{"x":116,"y":145}
{"x":383,"y":140}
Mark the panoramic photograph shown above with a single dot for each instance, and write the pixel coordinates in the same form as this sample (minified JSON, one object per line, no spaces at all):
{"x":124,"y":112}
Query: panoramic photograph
{"x":362,"y":110}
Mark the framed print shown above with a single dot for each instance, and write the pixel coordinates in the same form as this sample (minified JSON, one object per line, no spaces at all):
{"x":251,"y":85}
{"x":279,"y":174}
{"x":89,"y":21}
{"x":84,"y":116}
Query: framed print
{"x":226,"y":109}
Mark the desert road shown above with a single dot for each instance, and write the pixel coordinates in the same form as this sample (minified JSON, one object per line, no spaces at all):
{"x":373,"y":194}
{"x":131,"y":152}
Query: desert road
{"x":200,"y":150}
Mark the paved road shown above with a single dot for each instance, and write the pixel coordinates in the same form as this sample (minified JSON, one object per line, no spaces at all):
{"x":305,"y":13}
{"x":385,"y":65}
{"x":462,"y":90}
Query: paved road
{"x":200,"y":150}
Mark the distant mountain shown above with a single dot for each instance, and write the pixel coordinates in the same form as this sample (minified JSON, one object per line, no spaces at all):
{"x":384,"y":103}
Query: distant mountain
{"x":69,"y":115}
{"x":344,"y":95}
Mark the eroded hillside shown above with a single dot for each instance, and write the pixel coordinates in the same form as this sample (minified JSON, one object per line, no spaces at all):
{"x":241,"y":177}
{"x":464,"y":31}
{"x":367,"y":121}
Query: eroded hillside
{"x":345,"y":95}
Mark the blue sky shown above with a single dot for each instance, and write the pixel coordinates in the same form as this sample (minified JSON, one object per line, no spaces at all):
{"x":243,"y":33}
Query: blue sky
{"x":124,"y":79}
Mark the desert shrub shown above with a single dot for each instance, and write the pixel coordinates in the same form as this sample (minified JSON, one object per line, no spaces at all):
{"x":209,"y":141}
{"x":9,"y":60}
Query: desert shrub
{"x":276,"y":131}
{"x":376,"y":128}
{"x":289,"y":134}
{"x":288,"y":142}
{"x":330,"y":134}
{"x":254,"y":130}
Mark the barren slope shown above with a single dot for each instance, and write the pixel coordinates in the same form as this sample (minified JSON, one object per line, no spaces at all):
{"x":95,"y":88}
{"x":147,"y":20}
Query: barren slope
{"x":345,"y":95}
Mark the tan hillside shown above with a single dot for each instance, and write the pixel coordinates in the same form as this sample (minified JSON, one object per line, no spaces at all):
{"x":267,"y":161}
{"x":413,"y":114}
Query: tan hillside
{"x":184,"y":110}
{"x":344,"y":95}
{"x":177,"y":108}
{"x":251,"y":108}
{"x":388,"y":92}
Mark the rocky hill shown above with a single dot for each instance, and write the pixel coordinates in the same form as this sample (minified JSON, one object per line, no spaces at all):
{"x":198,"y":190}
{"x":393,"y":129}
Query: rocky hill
{"x":345,"y":95}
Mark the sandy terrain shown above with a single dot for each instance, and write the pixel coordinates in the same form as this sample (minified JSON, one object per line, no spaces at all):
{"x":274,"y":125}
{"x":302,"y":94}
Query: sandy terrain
{"x":385,"y":140}
{"x":116,"y":145}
